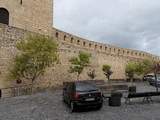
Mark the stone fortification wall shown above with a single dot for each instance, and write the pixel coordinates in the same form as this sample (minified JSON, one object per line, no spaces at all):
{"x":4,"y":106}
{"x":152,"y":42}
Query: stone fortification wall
{"x":69,"y":46}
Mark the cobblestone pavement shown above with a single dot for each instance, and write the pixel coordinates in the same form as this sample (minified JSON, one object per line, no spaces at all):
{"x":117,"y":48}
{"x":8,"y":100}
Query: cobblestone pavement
{"x":49,"y":106}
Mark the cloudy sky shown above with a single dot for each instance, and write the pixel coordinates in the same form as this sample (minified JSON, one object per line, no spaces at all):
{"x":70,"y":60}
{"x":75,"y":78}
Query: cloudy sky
{"x":125,"y":23}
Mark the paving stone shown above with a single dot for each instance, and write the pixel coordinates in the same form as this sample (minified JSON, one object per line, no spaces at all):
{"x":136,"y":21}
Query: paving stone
{"x":49,"y":106}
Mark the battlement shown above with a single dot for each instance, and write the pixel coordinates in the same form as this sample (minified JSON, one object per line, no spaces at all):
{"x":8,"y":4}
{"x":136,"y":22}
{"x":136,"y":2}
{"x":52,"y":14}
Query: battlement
{"x":100,"y":47}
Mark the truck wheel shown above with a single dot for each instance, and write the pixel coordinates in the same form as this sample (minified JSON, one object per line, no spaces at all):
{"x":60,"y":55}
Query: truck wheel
{"x":99,"y":106}
{"x":64,"y":101}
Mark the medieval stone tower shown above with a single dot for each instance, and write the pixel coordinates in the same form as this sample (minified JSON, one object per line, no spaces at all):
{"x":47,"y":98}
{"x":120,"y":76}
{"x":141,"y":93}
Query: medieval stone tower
{"x":32,"y":15}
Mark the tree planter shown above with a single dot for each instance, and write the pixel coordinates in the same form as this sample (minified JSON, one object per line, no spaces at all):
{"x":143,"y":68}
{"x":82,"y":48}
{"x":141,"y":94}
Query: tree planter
{"x":132,"y":89}
{"x":115,"y":99}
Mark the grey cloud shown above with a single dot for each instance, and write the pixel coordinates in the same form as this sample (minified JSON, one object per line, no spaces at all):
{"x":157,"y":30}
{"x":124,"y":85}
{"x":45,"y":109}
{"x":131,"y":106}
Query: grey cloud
{"x":125,"y":23}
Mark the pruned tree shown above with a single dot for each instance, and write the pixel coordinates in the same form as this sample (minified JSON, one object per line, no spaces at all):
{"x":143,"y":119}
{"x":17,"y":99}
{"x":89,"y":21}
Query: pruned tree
{"x":92,"y":74}
{"x":107,"y":71}
{"x":79,"y":63}
{"x":130,"y":70}
{"x":145,"y":67}
{"x":36,"y":53}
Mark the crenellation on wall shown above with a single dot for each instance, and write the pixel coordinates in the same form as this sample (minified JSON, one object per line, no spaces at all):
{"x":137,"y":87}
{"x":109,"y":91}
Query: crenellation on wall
{"x":91,"y":45}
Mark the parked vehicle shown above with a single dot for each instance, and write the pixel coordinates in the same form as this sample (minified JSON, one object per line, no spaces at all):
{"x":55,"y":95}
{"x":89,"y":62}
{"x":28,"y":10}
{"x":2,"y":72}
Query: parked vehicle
{"x":148,"y":77}
{"x":153,"y":81}
{"x":82,"y":94}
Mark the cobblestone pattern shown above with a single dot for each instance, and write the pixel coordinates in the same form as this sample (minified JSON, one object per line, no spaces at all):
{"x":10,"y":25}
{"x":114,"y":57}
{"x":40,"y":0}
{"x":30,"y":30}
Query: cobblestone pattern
{"x":49,"y":106}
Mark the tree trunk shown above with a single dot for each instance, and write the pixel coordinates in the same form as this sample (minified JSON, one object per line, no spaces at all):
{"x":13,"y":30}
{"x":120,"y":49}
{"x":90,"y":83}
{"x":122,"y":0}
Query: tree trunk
{"x":132,"y":81}
{"x":108,"y":78}
{"x":33,"y":79}
{"x":156,"y":81}
{"x":32,"y":86}
{"x":78,"y":77}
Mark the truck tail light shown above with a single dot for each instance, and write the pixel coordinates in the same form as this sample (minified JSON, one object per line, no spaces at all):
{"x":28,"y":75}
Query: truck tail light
{"x":76,"y":96}
{"x":99,"y":94}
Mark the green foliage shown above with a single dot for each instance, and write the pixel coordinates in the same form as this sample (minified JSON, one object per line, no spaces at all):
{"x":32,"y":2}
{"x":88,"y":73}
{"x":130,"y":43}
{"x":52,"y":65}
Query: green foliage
{"x":92,"y":74}
{"x":79,"y":63}
{"x":131,"y":69}
{"x":107,"y":71}
{"x":36,"y":53}
{"x":146,"y":66}
{"x":138,"y":68}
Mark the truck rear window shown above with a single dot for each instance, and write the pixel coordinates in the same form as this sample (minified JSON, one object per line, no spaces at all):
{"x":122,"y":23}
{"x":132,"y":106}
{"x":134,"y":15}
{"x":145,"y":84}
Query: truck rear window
{"x":84,"y":86}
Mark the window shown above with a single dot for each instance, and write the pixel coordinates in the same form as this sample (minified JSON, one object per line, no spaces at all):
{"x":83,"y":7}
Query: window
{"x":90,"y":44}
{"x":4,"y":16}
{"x":139,"y":54}
{"x":84,"y":86}
{"x":84,"y":43}
{"x":21,"y":2}
{"x":64,"y":37}
{"x":56,"y":34}
{"x":95,"y":46}
{"x":72,"y":40}
{"x":78,"y":42}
